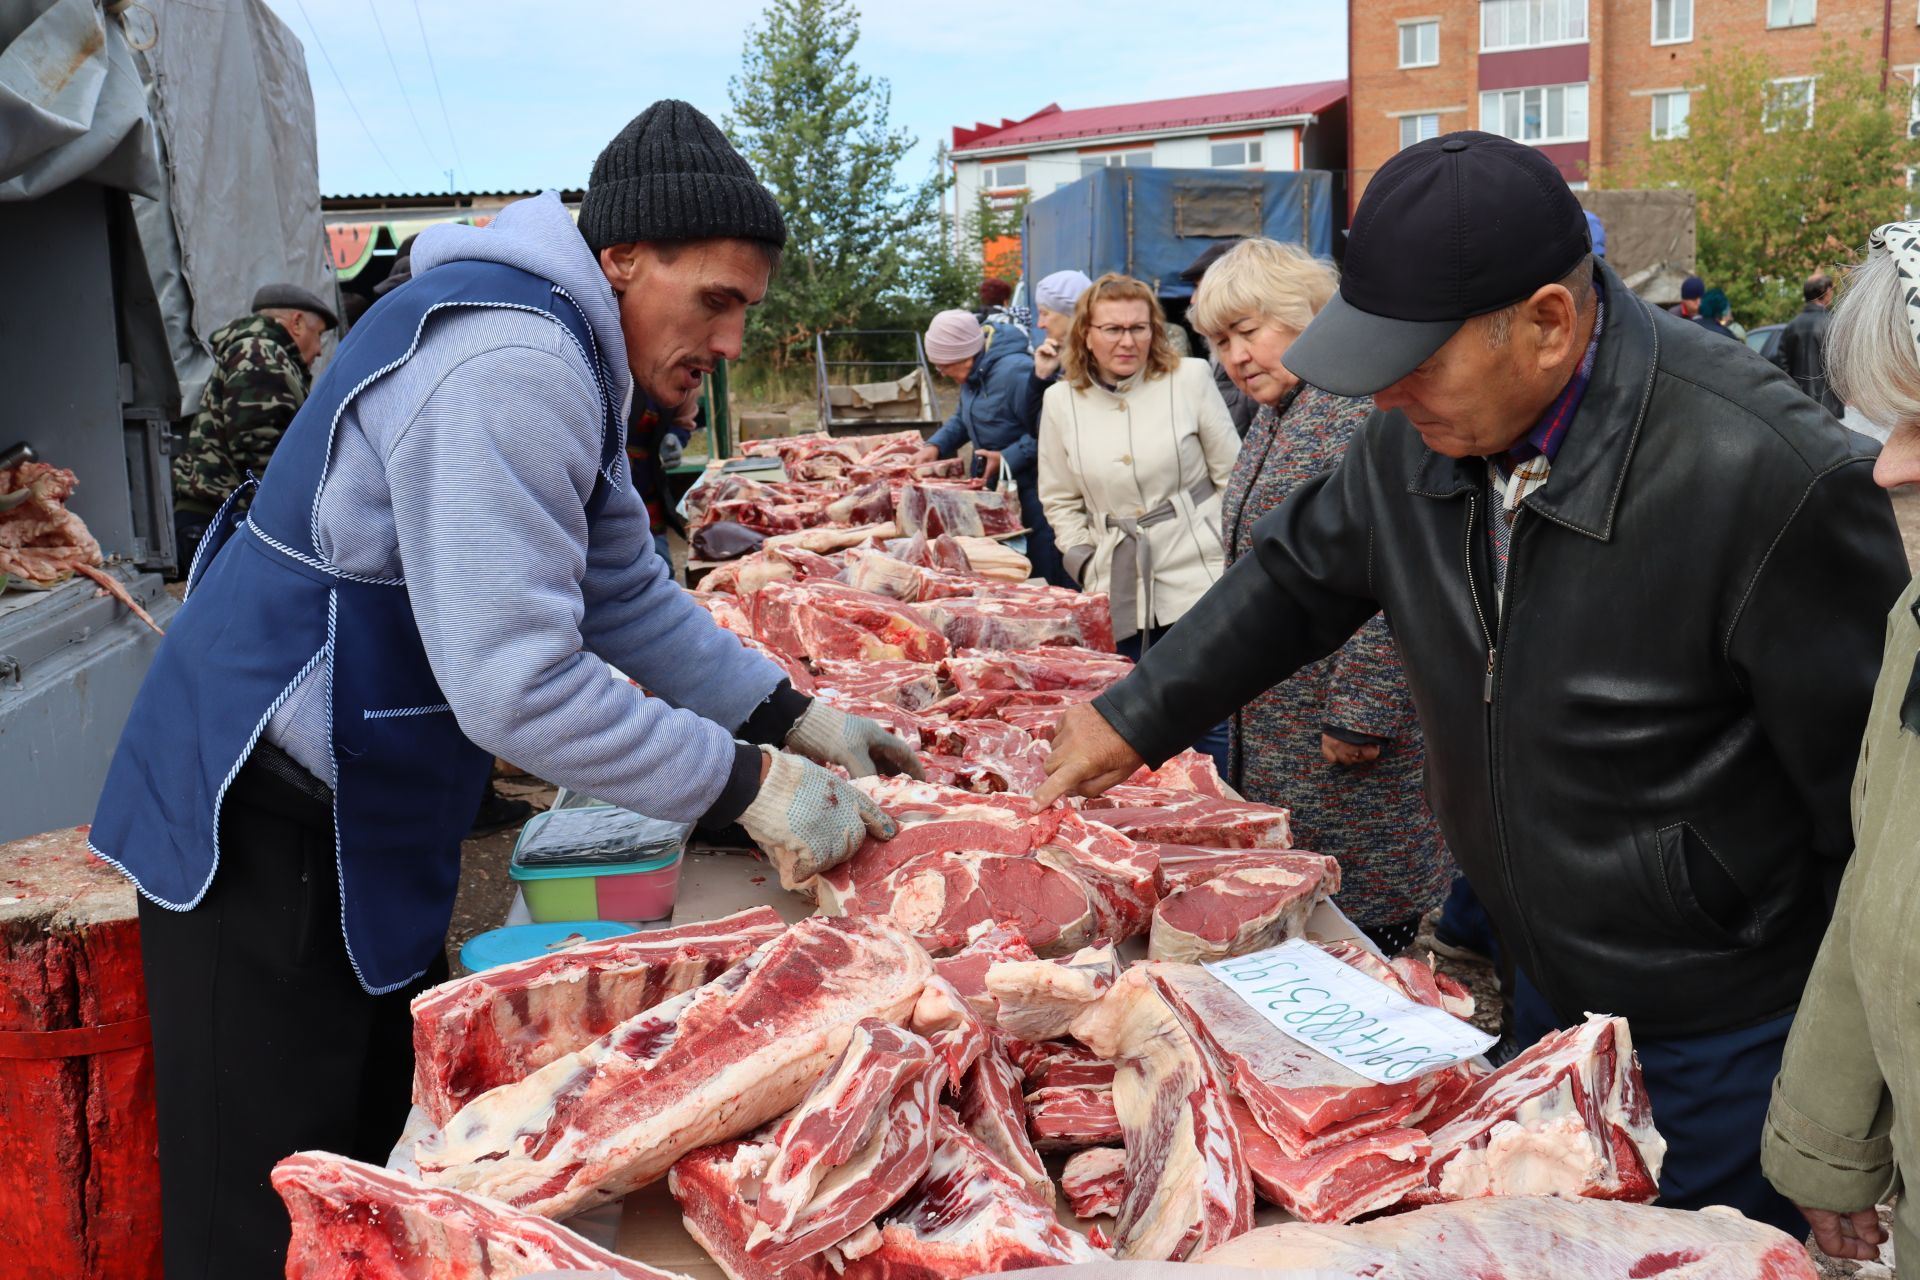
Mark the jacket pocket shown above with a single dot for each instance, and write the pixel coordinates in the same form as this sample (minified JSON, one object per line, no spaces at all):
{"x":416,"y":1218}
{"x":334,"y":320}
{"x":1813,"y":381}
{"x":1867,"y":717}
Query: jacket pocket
{"x":1700,"y":888}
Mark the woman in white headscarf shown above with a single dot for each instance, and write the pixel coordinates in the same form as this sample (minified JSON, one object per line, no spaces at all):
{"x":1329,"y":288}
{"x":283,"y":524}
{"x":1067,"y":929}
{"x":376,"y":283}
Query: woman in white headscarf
{"x":1843,"y":1133}
{"x":1055,"y":296}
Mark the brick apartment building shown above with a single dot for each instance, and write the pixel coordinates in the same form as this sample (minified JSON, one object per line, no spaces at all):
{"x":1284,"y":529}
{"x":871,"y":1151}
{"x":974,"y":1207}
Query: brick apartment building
{"x":1584,"y":80}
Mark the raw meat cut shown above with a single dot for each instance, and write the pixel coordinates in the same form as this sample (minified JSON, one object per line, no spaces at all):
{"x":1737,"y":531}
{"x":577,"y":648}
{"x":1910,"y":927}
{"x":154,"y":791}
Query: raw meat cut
{"x":899,"y":794}
{"x":993,"y":1110}
{"x":352,"y":1221}
{"x":711,"y":1064}
{"x":903,"y":724}
{"x":868,"y":504}
{"x":925,"y":828}
{"x":1040,"y":723}
{"x":501,"y":1025}
{"x":912,"y":686}
{"x":1070,"y":1117}
{"x":820,"y":618}
{"x":1184,"y":866}
{"x":1187,"y":817}
{"x":878,"y":572}
{"x":969,"y":1215}
{"x":1121,"y":877}
{"x":768,"y":517}
{"x":984,"y":777}
{"x":1569,"y":1116}
{"x":954,"y":509}
{"x":939,"y":898}
{"x":755,"y":570}
{"x":1095,"y":1180}
{"x":1036,"y":1000}
{"x":727,"y":611}
{"x":957,"y":1033}
{"x":990,"y":558}
{"x":1060,"y":1064}
{"x":826,"y":541}
{"x":1188,"y":1187}
{"x":1338,"y":1185}
{"x":977,"y":704}
{"x":1236,"y":913}
{"x":966,"y":969}
{"x":1189,"y":771}
{"x":1024,"y":618}
{"x":1539,"y":1237}
{"x":1305,"y":1100}
{"x":1061,"y":667}
{"x":942,"y":552}
{"x":861,"y":1138}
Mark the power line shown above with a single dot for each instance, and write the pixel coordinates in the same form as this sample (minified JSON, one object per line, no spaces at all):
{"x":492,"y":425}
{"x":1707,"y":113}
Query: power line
{"x":328,"y":59}
{"x":436,"y":87}
{"x":402,"y":82}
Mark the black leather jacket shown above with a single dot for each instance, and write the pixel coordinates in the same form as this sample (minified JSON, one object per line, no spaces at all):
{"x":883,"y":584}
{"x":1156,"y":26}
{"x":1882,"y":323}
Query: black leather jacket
{"x":1803,"y":354}
{"x":1642,"y":763}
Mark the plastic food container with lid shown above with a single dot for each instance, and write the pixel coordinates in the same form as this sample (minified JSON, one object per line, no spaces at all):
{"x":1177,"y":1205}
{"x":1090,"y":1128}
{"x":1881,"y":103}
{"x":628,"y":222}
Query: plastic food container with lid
{"x":599,"y":862}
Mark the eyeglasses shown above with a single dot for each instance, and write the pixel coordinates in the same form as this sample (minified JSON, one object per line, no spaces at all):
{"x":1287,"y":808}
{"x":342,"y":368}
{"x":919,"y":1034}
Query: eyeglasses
{"x":1115,"y":332}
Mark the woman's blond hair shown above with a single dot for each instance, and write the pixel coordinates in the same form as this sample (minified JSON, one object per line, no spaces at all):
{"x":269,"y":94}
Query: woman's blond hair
{"x":1077,"y":360}
{"x":1263,"y":279}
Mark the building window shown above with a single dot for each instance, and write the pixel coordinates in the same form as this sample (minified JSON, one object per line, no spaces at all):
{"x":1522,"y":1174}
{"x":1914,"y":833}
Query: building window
{"x":1672,"y":21}
{"x":1115,"y":160}
{"x":1418,"y":129}
{"x":1670,"y":114}
{"x":1523,"y":24}
{"x":1000,"y":177}
{"x":1420,"y":43}
{"x":1789,"y":104}
{"x":1552,"y":113}
{"x":1790,"y":13}
{"x":1230,"y":155}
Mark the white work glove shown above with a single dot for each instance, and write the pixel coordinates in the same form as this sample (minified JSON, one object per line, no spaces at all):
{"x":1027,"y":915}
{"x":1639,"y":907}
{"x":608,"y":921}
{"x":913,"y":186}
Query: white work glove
{"x":861,"y":746}
{"x":807,"y":820}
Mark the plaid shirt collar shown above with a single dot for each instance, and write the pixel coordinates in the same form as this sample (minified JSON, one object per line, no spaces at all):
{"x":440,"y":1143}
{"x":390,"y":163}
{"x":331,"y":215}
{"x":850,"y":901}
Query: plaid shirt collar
{"x":1526,"y":466}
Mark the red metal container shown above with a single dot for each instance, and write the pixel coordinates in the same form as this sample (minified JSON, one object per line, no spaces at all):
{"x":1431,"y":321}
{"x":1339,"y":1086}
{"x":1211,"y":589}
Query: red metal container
{"x":79,"y":1172}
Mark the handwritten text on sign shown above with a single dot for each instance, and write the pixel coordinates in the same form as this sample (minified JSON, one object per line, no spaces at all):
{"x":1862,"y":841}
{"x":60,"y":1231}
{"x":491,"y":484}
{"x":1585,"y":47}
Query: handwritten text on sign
{"x":1358,"y":1021}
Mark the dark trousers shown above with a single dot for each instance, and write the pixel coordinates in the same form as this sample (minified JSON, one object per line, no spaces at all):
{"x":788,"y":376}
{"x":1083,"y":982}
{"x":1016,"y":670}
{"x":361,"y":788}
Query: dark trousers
{"x":1217,"y":741}
{"x":1709,"y":1096}
{"x":1041,"y":548}
{"x":264,"y":1042}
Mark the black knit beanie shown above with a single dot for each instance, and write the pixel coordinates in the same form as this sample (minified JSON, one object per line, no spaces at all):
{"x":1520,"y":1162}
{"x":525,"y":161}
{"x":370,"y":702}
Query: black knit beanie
{"x":672,"y":175}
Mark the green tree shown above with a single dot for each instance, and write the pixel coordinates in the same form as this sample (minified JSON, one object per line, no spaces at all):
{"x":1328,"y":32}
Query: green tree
{"x":816,"y":130}
{"x":1778,"y":198}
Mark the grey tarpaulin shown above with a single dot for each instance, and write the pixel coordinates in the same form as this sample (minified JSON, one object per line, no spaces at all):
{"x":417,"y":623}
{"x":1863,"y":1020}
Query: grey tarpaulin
{"x":213,"y":132}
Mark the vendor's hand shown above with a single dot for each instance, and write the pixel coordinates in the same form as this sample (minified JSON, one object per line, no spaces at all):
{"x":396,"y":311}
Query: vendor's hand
{"x":1855,"y":1235}
{"x":989,"y":465}
{"x":1338,"y":751}
{"x":861,"y":746}
{"x":807,"y":820}
{"x":926,"y":453}
{"x":1087,"y":758}
{"x":1046,"y":360}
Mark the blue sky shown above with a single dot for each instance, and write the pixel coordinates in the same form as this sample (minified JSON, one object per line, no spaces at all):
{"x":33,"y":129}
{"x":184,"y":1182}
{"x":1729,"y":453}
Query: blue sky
{"x":534,"y":90}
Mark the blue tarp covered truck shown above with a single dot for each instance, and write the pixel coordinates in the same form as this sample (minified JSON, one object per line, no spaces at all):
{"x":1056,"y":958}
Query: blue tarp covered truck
{"x":1151,"y":223}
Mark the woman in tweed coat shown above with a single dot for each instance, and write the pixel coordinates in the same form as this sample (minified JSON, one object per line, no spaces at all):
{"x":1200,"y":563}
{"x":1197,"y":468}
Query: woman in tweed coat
{"x":1337,"y":743}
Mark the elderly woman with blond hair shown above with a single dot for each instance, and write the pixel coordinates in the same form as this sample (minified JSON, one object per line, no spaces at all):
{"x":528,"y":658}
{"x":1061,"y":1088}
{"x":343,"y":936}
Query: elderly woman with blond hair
{"x":1843,"y":1132}
{"x":1135,"y":447}
{"x":1337,"y":742}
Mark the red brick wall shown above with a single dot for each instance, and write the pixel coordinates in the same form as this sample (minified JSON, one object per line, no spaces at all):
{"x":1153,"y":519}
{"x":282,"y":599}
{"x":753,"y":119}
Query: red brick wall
{"x":1379,"y":88}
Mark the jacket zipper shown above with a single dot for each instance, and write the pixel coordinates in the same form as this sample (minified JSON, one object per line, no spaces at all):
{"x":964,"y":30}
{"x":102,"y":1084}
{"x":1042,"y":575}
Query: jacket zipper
{"x":1492,"y":637}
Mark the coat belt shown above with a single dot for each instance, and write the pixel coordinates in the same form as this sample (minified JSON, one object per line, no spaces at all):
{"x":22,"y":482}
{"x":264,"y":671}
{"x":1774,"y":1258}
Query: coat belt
{"x":1131,"y":578}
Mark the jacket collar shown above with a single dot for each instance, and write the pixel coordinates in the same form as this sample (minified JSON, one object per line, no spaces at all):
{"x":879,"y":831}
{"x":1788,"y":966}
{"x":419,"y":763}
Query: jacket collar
{"x":1590,"y":469}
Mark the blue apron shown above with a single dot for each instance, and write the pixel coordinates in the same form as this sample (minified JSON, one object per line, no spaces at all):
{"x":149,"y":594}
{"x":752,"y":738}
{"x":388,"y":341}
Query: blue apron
{"x":264,"y":610}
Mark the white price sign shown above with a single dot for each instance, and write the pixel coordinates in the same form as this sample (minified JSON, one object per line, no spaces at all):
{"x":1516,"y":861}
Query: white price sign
{"x":1343,"y":1014}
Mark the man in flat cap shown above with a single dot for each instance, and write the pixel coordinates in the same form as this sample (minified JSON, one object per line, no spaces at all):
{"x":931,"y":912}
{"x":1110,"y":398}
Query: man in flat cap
{"x":262,"y":369}
{"x":1639,"y":585}
{"x":445,"y":556}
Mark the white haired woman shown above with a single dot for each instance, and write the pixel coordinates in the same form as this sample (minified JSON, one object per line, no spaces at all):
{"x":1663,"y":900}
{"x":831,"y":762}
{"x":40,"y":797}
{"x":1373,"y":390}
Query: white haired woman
{"x":1135,"y":446}
{"x":1843,"y":1132}
{"x":1337,"y":742}
{"x":1055,"y":296}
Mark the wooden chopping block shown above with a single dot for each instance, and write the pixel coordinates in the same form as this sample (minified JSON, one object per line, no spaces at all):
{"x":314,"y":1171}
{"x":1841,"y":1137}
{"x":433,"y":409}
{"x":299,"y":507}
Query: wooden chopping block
{"x":79,"y":1168}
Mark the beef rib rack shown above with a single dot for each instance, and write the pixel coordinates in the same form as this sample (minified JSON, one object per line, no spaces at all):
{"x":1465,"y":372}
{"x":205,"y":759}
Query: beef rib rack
{"x":711,"y":1064}
{"x":1539,"y":1237}
{"x":501,"y":1025}
{"x":1095,"y":1181}
{"x":352,"y":1221}
{"x":1239,"y":912}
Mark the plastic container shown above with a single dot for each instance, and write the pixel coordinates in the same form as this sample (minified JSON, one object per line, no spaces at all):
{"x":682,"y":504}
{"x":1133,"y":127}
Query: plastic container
{"x":599,"y":862}
{"x":517,"y":942}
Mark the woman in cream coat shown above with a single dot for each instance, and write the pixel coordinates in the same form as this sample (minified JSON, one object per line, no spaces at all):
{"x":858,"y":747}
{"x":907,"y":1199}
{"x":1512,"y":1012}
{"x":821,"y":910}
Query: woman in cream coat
{"x":1135,"y":448}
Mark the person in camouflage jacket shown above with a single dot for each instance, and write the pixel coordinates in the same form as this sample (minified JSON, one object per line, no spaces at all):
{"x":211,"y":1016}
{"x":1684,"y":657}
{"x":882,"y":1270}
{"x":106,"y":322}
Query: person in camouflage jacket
{"x":260,"y":380}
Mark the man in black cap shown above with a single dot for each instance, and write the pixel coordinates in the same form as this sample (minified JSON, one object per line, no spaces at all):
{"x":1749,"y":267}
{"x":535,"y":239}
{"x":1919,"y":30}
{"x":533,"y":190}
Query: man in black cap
{"x":261,"y":373}
{"x":1639,"y":583}
{"x":444,"y":559}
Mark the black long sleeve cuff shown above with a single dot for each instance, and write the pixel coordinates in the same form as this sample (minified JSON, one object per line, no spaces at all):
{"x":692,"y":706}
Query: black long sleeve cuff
{"x":743,"y":784}
{"x":774,"y":719}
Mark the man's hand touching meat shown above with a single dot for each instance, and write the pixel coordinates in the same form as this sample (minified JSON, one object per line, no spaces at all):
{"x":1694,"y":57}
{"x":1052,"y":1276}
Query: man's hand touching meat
{"x":1088,"y":757}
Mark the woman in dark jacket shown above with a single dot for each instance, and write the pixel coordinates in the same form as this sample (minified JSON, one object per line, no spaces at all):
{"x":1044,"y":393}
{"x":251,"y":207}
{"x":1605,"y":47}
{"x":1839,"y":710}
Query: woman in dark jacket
{"x":1337,"y":743}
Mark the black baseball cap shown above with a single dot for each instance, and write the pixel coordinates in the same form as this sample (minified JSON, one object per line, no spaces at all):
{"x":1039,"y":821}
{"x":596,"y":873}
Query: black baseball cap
{"x":1451,"y":228}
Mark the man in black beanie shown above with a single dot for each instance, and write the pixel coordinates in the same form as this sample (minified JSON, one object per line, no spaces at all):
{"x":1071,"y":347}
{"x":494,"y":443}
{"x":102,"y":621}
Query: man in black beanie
{"x":446,"y":557}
